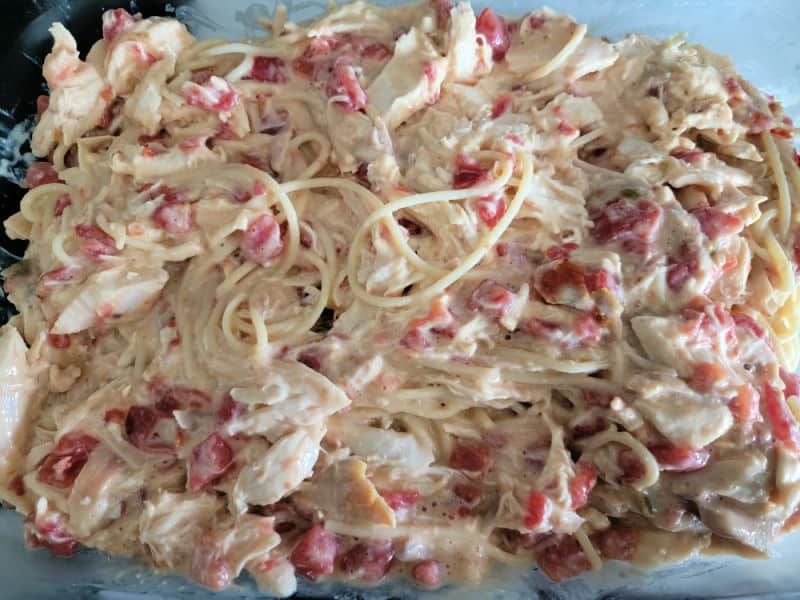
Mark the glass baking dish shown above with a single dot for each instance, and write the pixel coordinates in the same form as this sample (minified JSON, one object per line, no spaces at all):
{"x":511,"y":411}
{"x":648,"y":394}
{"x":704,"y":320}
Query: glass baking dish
{"x":762,"y":39}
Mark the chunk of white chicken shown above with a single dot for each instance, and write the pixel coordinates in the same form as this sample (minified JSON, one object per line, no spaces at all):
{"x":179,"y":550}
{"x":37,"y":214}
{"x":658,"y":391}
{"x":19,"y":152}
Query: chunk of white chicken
{"x":130,"y":160}
{"x":77,"y":98}
{"x":343,"y":492}
{"x":17,"y":386}
{"x":749,"y":524}
{"x":114,"y":292}
{"x":99,"y":490}
{"x":468,"y":59}
{"x":279,"y":580}
{"x":684,"y":417}
{"x":143,"y":106}
{"x":138,"y":47}
{"x":295,"y":396}
{"x":235,"y":543}
{"x":402,"y":450}
{"x":410,"y":81}
{"x":270,"y":474}
{"x":665,"y":342}
{"x":171,"y":522}
{"x":741,"y":475}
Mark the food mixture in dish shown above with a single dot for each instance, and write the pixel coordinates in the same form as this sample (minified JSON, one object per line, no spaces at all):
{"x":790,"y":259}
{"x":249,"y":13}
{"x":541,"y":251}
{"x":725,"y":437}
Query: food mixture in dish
{"x":405,"y":291}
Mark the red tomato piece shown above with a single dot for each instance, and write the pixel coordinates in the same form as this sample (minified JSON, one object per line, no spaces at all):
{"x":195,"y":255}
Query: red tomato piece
{"x":211,"y":459}
{"x":791,"y":382}
{"x":490,"y":209}
{"x":491,"y":298}
{"x":536,"y":510}
{"x":562,"y":558}
{"x":599,"y":279}
{"x":635,"y":225}
{"x":427,"y":573}
{"x":760,"y":122}
{"x":502,"y":105}
{"x":630,"y":465}
{"x":209,"y":566}
{"x":174,"y":218}
{"x":63,"y":201}
{"x":369,"y":561}
{"x":261,"y":241}
{"x":96,"y":242}
{"x":560,"y":282}
{"x":40,"y":173}
{"x":468,"y":173}
{"x":439,"y":321}
{"x":228,"y":410}
{"x":401,"y":499}
{"x":66,"y":460}
{"x":269,"y":69}
{"x":715,"y":222}
{"x":682,"y":267}
{"x":115,"y":415}
{"x":344,"y":85}
{"x":50,"y":531}
{"x":314,"y":554}
{"x":472,"y":459}
{"x":617,"y":543}
{"x":582,"y":484}
{"x":59,"y":341}
{"x":561,"y":251}
{"x":374,"y":51}
{"x":115,"y":22}
{"x":745,"y":407}
{"x":680,"y":459}
{"x":784,"y":425}
{"x":493,"y":27}
{"x":216,"y":95}
{"x":587,"y":330}
{"x":545,"y":329}
{"x":140,"y":427}
{"x":705,"y":375}
{"x":48,"y":280}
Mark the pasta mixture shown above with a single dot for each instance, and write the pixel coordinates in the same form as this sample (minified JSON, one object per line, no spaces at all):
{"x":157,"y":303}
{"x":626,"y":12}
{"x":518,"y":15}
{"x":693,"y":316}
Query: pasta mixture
{"x":401,"y":291}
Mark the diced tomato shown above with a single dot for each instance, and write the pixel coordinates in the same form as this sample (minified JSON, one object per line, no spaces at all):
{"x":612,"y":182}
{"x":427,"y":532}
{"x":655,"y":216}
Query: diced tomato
{"x":468,"y":494}
{"x":597,"y":398}
{"x":561,"y":251}
{"x":545,"y":329}
{"x":536,"y":22}
{"x":784,"y":426}
{"x":96,"y":242}
{"x":471,"y":459}
{"x":314,"y":56}
{"x":782,"y":132}
{"x":344,"y":85}
{"x":760,"y":122}
{"x":565,"y":128}
{"x":705,"y":375}
{"x":492,"y":27}
{"x":791,"y":382}
{"x":582,"y":484}
{"x":560,"y":282}
{"x":66,"y":460}
{"x":209,"y":566}
{"x":502,"y":105}
{"x":680,"y":459}
{"x":468,"y":173}
{"x":442,"y":9}
{"x":401,"y":499}
{"x":587,"y":330}
{"x":114,"y":415}
{"x":115,"y":22}
{"x":269,"y":69}
{"x":491,"y":209}
{"x":491,"y":298}
{"x":174,"y":218}
{"x":715,"y":222}
{"x":211,"y":459}
{"x":50,"y":531}
{"x":369,"y":560}
{"x":40,"y":173}
{"x":228,"y":410}
{"x":48,"y":280}
{"x":439,"y":321}
{"x":57,"y":340}
{"x":314,"y":554}
{"x":374,"y":51}
{"x":630,"y":465}
{"x":745,"y":407}
{"x":617,"y":542}
{"x":140,"y":427}
{"x":536,"y":510}
{"x":682,"y":267}
{"x":562,"y":558}
{"x":170,"y":398}
{"x":599,"y":279}
{"x":588,"y":425}
{"x":42,"y":104}
{"x":313,"y":358}
{"x":427,"y":573}
{"x":217,"y":95}
{"x":261,"y":241}
{"x":635,"y":226}
{"x":63,"y":201}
